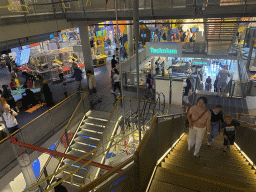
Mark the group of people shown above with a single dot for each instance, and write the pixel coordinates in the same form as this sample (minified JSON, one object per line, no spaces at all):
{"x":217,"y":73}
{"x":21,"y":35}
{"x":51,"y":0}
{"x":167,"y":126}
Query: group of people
{"x":202,"y":120}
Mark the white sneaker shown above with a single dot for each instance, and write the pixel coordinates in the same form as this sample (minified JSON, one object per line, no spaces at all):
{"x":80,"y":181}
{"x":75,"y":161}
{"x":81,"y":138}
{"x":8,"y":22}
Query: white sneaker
{"x":112,"y":91}
{"x":209,"y":143}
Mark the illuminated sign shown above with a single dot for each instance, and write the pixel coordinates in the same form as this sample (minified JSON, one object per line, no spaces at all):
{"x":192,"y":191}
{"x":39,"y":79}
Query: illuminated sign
{"x":159,"y":50}
{"x":200,"y":62}
{"x":164,"y":49}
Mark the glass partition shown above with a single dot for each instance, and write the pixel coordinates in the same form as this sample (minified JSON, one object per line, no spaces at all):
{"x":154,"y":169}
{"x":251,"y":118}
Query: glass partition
{"x":67,"y":135}
{"x":39,"y":130}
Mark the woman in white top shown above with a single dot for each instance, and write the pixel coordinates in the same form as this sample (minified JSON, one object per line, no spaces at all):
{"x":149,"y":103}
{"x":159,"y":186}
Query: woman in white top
{"x":9,"y":118}
{"x":116,"y":81}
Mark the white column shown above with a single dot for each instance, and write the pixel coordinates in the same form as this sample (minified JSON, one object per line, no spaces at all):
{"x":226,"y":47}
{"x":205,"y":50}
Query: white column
{"x":86,"y":47}
{"x":27,"y":171}
{"x":130,"y":39}
{"x":177,"y":91}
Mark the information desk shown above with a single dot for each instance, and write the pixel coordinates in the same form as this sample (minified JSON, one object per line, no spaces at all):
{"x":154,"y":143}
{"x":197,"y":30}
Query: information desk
{"x":17,"y":94}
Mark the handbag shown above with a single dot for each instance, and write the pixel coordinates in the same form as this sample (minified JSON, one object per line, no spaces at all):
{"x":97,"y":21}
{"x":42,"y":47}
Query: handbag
{"x":187,"y":122}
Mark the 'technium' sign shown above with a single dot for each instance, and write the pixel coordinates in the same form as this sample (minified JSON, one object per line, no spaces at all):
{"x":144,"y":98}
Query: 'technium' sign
{"x":164,"y":49}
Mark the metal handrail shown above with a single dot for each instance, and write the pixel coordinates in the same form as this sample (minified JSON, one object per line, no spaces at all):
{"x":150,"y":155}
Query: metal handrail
{"x":107,"y":175}
{"x":63,"y":132}
{"x":37,"y":117}
{"x":103,"y":132}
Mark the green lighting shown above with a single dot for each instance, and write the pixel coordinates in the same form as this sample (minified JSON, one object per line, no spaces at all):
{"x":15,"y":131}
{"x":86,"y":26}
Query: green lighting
{"x":165,"y":51}
{"x":200,"y":63}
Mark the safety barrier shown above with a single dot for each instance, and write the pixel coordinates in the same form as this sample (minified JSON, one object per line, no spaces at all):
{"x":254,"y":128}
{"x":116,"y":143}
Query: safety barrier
{"x":130,"y":64}
{"x":38,"y":131}
{"x":63,"y":142}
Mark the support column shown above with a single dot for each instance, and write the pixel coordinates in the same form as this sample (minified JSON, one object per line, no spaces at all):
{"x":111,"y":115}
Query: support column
{"x":252,"y":39}
{"x":130,"y":38}
{"x":28,"y":172}
{"x":136,"y":33}
{"x":86,"y":47}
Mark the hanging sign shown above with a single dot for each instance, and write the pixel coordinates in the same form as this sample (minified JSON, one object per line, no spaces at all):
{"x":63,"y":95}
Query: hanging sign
{"x":164,"y":49}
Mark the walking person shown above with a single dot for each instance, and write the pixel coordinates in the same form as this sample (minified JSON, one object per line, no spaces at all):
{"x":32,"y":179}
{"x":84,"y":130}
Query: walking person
{"x":91,"y":82}
{"x":208,"y":84}
{"x":61,"y":75}
{"x":228,"y":128}
{"x":116,"y":81}
{"x":9,"y":118}
{"x":199,"y":119}
{"x":47,"y":93}
{"x":187,"y":89}
{"x":9,"y":98}
{"x":215,"y":85}
{"x":78,"y":76}
{"x":113,"y":62}
{"x":216,"y":118}
{"x":222,"y":80}
{"x":149,"y":85}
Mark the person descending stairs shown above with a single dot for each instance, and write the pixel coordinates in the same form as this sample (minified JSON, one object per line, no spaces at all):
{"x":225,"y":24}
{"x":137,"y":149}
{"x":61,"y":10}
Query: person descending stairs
{"x":213,"y":171}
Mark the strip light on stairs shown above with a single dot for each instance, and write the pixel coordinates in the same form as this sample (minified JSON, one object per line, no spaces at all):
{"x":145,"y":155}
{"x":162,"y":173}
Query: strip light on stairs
{"x":168,"y":151}
{"x":161,"y":159}
{"x":246,"y":157}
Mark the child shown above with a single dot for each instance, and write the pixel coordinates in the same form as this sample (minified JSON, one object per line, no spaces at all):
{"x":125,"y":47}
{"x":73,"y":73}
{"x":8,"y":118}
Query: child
{"x":228,"y":129}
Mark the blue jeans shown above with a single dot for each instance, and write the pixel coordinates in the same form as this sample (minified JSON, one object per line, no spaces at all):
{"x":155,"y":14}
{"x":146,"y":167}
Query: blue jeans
{"x":214,"y":131}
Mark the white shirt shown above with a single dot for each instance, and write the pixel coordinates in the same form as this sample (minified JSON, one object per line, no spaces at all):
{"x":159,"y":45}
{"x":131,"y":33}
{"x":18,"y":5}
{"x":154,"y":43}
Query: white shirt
{"x":116,"y":78}
{"x":10,"y":120}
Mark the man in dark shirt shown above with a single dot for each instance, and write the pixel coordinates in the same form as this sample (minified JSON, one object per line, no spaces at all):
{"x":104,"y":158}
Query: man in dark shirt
{"x":216,"y":118}
{"x":113,"y":62}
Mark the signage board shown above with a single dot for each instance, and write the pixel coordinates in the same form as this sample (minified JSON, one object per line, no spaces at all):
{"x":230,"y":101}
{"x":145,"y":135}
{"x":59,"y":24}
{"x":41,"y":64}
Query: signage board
{"x":200,"y":62}
{"x":163,"y":49}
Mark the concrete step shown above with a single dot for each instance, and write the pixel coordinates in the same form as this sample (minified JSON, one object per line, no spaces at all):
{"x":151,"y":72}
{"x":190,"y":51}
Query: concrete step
{"x":85,"y":140}
{"x":92,"y":128}
{"x":95,"y":122}
{"x":198,"y":169}
{"x":158,"y":186}
{"x":200,"y":183}
{"x":82,"y":147}
{"x":90,"y":134}
{"x":213,"y":158}
{"x":79,"y":154}
{"x":99,"y":114}
{"x":190,"y":162}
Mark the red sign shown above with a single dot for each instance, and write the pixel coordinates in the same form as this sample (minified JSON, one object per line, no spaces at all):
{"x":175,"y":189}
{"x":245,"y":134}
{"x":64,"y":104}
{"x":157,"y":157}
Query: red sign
{"x":34,"y":45}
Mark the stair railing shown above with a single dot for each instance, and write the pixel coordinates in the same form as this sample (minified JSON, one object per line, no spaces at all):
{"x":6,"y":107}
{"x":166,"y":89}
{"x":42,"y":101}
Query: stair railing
{"x":67,"y":136}
{"x":153,"y":147}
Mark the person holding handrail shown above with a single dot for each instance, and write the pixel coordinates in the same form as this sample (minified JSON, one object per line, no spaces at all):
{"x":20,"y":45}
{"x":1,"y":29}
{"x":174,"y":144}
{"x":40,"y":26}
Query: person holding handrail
{"x":216,"y":118}
{"x":199,"y":118}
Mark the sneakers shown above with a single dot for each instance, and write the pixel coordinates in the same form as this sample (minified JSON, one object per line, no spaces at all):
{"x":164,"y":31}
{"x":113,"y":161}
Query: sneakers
{"x":112,"y":91}
{"x":209,"y":143}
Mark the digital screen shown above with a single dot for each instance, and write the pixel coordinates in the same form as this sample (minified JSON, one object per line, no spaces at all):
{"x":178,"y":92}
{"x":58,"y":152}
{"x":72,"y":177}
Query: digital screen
{"x":51,"y":36}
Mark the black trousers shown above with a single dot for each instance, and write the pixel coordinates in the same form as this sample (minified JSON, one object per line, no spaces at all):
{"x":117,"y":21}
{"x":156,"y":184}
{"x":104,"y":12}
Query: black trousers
{"x":13,"y":129}
{"x":61,"y":76}
{"x":117,"y":85}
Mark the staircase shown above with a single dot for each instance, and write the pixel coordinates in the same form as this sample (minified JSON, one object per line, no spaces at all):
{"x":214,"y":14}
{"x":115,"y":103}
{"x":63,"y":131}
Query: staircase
{"x":219,"y":34}
{"x":85,"y":140}
{"x":213,"y":171}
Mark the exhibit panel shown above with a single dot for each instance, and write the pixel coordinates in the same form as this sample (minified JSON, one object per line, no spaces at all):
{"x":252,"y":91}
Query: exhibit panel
{"x":162,"y":86}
